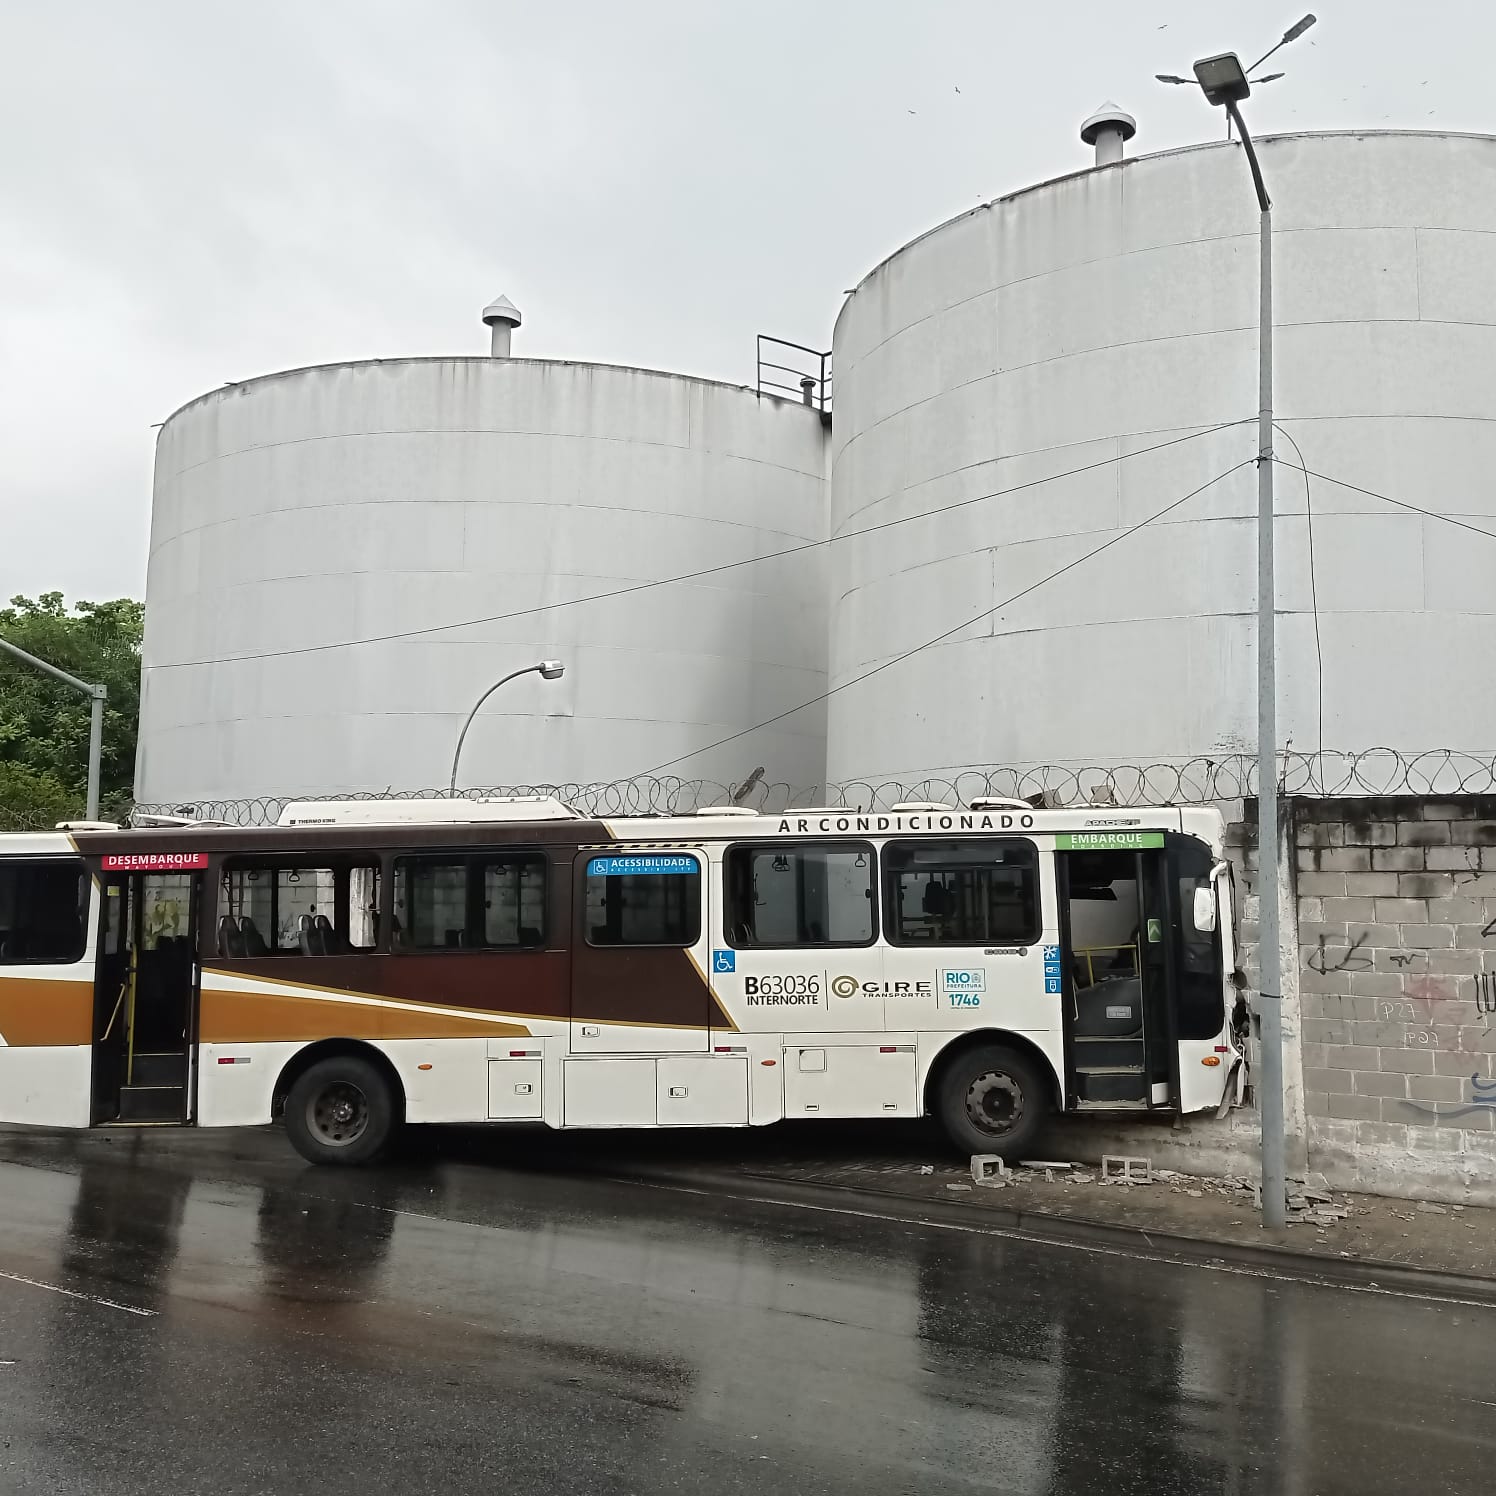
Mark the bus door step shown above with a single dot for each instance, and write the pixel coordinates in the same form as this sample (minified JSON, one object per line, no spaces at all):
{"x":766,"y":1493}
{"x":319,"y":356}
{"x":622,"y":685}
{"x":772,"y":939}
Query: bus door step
{"x":158,"y":1069}
{"x":1111,"y":1083}
{"x":152,"y":1103}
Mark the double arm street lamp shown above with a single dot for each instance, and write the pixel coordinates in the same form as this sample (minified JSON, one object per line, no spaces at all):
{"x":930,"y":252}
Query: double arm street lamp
{"x":545,"y":669}
{"x":97,"y":696}
{"x":1226,"y":83}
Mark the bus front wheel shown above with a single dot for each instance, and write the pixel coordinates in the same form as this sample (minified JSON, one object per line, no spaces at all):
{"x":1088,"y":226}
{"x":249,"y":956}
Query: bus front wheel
{"x":341,"y":1111}
{"x":992,"y":1100}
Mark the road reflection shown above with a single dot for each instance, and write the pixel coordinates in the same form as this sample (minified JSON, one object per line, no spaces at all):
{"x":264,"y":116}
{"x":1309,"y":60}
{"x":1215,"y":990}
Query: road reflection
{"x":480,"y":1318}
{"x":317,"y":1250}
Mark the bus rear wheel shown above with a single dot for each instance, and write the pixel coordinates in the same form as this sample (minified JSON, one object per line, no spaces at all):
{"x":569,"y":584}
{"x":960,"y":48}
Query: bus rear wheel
{"x":341,"y":1111}
{"x":992,"y":1100}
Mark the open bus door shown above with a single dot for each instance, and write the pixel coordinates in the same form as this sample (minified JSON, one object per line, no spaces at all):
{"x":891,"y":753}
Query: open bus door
{"x":145,"y":993}
{"x":1117,"y":966}
{"x":1141,"y":977}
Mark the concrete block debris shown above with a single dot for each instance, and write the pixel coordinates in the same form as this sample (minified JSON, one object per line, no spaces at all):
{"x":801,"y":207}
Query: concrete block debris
{"x":1042,"y":1163}
{"x":1123,"y":1168}
{"x":989,"y":1169}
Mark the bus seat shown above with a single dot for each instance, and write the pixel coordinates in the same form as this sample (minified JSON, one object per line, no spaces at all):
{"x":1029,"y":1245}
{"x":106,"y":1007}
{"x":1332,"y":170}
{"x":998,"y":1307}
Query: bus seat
{"x":326,"y":940}
{"x":230,"y":941}
{"x":249,"y":933}
{"x":936,"y":900}
{"x":306,"y":935}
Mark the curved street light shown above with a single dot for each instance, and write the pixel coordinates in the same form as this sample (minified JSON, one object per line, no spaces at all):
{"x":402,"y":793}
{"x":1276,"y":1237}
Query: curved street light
{"x":1225,"y":83}
{"x":545,"y":669}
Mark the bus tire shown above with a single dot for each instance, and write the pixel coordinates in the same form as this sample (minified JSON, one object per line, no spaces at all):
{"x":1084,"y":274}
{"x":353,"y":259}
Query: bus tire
{"x":993,"y":1100}
{"x":341,"y":1111}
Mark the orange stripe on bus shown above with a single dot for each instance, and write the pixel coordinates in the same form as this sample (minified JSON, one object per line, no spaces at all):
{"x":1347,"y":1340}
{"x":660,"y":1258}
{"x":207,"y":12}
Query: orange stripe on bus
{"x":34,"y":1011}
{"x":247,"y":1017}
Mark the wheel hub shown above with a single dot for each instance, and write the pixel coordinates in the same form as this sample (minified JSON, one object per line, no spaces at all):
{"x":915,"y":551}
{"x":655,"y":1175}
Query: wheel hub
{"x":994,"y":1103}
{"x":338,"y":1114}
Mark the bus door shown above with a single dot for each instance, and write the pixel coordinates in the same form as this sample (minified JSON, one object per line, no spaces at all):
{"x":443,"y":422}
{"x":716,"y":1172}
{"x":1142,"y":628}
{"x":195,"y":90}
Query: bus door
{"x":640,"y":959}
{"x":1118,"y":963}
{"x":145,"y":995}
{"x":1200,"y":1005}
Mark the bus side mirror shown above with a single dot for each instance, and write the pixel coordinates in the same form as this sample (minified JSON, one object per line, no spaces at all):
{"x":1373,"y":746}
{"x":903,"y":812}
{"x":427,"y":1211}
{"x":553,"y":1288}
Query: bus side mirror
{"x":1205,"y":909}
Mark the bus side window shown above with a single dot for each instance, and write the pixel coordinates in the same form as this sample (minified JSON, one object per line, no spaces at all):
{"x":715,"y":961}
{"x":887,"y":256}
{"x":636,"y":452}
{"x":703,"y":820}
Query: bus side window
{"x":280,"y":908}
{"x":646,"y":907}
{"x":978,"y":892}
{"x":42,"y":904}
{"x":787,"y":894}
{"x":490,"y":902}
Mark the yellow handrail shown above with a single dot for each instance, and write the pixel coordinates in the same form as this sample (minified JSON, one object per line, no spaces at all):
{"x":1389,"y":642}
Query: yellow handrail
{"x":130,"y":986}
{"x":1091,"y":951}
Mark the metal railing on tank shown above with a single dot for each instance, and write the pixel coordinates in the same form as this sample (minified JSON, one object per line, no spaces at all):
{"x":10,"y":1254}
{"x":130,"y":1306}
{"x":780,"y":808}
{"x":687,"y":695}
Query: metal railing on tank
{"x":809,"y":368}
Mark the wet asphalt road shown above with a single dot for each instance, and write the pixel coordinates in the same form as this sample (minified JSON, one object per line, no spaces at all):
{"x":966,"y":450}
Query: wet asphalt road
{"x":481,"y":1321}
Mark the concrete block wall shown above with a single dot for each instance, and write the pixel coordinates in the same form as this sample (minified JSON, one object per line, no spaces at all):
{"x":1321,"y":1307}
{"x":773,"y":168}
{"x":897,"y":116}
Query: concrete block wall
{"x":1396,"y":903}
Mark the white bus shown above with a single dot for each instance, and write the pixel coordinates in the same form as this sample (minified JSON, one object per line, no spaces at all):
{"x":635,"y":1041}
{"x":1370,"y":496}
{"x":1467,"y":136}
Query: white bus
{"x":362,"y":964}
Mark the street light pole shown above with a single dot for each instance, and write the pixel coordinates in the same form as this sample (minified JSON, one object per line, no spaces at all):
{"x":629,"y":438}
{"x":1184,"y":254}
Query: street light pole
{"x":97,"y":696}
{"x":1270,"y":953}
{"x":1225,"y":82}
{"x":546,"y":670}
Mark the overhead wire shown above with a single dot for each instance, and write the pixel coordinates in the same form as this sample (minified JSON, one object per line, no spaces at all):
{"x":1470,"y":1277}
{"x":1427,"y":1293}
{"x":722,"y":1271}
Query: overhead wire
{"x":1372,"y":493}
{"x":705,"y":571}
{"x":965,"y":623}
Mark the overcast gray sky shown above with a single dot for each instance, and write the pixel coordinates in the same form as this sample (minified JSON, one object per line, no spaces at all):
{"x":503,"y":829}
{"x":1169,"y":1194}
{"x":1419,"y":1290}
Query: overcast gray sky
{"x":193,"y":191}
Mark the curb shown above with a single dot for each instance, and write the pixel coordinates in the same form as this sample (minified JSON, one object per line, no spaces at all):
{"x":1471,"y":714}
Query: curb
{"x":1359,"y":1273}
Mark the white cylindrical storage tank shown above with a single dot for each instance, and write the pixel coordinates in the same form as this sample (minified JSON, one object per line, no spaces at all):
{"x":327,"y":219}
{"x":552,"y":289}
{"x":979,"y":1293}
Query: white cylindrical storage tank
{"x":395,"y":501}
{"x":1070,"y":327}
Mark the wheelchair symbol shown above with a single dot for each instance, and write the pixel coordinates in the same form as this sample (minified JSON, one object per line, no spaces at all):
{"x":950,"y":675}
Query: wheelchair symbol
{"x":724,"y":960}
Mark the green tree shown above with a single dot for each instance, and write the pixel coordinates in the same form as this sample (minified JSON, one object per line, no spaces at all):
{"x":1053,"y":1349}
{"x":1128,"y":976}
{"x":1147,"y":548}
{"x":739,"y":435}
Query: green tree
{"x":44,"y":724}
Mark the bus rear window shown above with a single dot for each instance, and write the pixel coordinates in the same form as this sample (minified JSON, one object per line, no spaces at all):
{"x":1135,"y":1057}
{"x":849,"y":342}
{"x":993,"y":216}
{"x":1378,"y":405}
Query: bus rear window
{"x":42,"y":905}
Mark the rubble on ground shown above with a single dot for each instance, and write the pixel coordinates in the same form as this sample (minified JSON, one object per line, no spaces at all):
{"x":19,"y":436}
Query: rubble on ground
{"x":1310,"y":1201}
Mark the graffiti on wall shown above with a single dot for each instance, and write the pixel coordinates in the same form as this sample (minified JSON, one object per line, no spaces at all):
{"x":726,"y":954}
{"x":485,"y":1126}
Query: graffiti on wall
{"x":1482,"y":1098}
{"x":1324,"y":960}
{"x":1485,"y":993}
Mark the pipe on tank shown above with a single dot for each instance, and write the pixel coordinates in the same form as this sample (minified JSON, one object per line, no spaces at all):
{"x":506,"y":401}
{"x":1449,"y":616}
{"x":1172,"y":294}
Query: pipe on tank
{"x":1108,"y":130}
{"x":501,"y":317}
